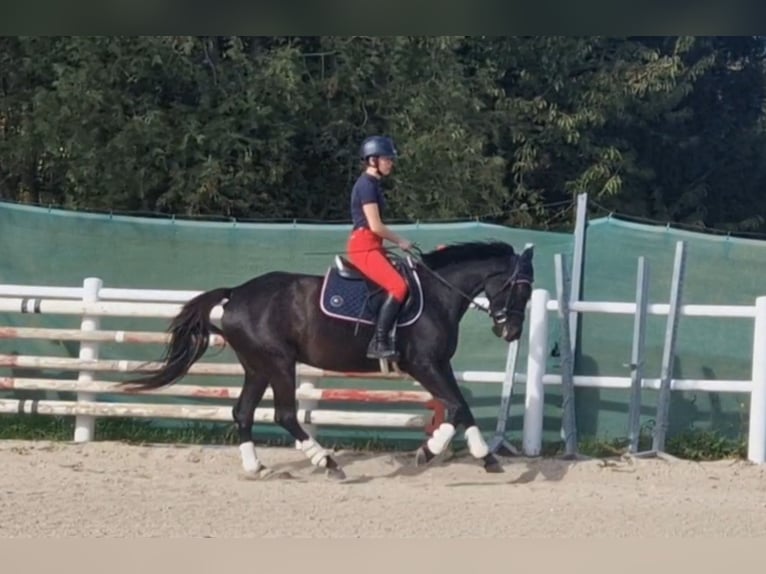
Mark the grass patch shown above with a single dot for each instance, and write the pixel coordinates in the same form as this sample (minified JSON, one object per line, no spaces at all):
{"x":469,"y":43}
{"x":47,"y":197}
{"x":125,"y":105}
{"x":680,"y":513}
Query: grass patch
{"x":141,"y":431}
{"x":695,"y":445}
{"x":706,"y":445}
{"x":132,"y":431}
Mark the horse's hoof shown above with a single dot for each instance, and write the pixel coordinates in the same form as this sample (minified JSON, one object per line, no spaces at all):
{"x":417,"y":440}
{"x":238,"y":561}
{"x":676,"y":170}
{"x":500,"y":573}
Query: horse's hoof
{"x":260,"y":474}
{"x":492,"y":465}
{"x":335,"y":473}
{"x":266,"y":473}
{"x":423,"y":456}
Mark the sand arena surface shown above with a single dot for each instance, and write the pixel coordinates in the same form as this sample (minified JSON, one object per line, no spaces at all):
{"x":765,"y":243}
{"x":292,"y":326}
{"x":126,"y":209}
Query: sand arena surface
{"x":118,"y":490}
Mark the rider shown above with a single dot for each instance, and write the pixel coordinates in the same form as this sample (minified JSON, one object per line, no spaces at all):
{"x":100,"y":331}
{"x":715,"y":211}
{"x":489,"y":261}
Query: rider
{"x":365,"y":244}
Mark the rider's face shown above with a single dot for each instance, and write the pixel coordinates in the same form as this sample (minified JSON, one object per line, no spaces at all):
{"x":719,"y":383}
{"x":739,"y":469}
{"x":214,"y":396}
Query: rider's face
{"x":385,"y":165}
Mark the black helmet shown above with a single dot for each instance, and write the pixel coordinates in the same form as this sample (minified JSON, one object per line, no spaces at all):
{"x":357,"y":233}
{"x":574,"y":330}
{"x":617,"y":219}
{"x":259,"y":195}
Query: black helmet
{"x":377,"y":146}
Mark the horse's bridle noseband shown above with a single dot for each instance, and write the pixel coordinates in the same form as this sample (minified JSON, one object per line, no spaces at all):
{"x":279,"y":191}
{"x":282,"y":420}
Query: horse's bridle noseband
{"x":501,"y":315}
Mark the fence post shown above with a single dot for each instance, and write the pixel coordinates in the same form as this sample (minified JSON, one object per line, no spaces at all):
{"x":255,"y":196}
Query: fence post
{"x":534,"y":394}
{"x":84,"y":425}
{"x":568,"y":416}
{"x":668,"y":354}
{"x":756,"y":440}
{"x":578,"y":264}
{"x":637,"y":354}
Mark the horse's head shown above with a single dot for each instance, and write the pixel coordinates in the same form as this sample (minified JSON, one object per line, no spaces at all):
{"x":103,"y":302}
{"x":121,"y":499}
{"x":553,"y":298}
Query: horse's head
{"x":508,"y":294}
{"x":494,"y":267}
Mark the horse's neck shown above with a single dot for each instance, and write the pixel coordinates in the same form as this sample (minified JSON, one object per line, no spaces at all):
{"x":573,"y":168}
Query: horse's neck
{"x":469,"y":280}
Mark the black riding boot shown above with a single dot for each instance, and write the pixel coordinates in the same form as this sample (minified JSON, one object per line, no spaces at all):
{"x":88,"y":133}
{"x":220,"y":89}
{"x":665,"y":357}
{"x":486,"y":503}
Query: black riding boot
{"x":380,"y":346}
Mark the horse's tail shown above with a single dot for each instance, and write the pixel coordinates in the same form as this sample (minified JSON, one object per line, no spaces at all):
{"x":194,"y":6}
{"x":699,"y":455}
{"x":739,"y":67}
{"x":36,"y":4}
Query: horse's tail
{"x":190,"y":335}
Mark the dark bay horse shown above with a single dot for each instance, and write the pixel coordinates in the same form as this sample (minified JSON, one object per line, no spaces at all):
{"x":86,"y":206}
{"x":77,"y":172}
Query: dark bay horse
{"x":275,"y":320}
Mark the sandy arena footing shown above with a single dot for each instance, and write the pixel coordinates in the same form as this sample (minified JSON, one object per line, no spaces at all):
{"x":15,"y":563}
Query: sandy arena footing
{"x":118,"y":490}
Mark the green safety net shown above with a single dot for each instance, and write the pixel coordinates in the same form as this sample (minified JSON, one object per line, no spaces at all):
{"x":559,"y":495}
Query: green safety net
{"x":719,"y":270}
{"x":60,"y":248}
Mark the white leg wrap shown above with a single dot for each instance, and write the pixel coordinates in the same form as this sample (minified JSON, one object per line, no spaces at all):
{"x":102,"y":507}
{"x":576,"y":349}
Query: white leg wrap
{"x":250,"y":462}
{"x":476,"y":443}
{"x":441,"y":438}
{"x":314,"y":452}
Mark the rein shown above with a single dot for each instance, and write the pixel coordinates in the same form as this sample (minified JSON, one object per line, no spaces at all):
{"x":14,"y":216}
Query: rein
{"x":447,"y":283}
{"x":510,"y":281}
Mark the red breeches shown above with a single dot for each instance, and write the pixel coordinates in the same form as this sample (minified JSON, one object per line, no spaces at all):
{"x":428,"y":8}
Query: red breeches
{"x":364,"y":250}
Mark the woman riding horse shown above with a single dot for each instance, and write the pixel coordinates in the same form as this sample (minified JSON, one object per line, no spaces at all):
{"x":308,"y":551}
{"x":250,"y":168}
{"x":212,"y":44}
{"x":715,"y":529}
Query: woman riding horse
{"x":365,"y":243}
{"x":274,"y":321}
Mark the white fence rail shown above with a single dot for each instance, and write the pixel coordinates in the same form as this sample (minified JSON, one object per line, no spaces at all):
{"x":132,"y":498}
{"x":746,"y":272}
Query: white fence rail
{"x":92,"y":301}
{"x":538,"y":349}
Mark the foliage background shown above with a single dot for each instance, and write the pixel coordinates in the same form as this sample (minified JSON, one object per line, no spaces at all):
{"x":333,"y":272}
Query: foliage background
{"x":506,"y":129}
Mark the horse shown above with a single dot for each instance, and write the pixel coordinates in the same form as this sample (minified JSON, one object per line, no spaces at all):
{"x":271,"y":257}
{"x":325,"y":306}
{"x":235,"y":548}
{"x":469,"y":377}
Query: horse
{"x":277,"y":319}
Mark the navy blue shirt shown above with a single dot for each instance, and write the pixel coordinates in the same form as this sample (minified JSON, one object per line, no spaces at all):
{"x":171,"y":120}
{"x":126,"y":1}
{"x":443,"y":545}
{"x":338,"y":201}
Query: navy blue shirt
{"x":365,"y":190}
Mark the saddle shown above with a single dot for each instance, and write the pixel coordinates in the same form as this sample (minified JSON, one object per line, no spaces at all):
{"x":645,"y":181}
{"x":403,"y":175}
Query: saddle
{"x":350,"y":296}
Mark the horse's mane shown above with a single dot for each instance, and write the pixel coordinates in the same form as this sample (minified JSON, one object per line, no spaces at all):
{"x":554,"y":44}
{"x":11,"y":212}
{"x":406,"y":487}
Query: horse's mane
{"x":467,"y":251}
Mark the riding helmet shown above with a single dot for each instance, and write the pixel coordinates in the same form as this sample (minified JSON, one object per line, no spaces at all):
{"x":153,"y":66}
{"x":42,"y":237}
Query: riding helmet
{"x":377,"y":146}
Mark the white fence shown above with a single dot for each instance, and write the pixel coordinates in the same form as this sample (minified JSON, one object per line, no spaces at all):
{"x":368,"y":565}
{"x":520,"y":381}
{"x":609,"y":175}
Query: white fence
{"x":755,"y":386}
{"x":93,"y":301}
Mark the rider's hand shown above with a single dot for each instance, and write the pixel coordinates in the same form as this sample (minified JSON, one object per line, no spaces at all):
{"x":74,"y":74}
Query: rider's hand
{"x":404,"y":245}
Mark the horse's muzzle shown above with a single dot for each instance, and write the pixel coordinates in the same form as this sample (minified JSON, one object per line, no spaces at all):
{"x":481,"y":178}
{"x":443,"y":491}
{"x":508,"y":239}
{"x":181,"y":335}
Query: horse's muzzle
{"x":506,"y":332}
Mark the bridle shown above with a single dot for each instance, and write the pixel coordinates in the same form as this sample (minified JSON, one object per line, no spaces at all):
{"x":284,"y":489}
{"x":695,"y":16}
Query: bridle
{"x":499,"y":317}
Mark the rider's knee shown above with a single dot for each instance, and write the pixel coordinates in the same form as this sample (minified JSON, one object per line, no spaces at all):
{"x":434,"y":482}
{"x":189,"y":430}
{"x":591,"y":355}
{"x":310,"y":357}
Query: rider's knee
{"x":399,"y":292}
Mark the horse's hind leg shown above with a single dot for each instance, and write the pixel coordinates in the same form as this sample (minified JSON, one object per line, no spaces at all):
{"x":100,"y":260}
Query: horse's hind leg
{"x":286,"y":415}
{"x":243,"y":413}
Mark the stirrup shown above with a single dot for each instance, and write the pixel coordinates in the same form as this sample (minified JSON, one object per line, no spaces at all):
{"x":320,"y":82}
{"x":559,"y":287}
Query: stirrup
{"x":389,"y":353}
{"x":387,"y":364}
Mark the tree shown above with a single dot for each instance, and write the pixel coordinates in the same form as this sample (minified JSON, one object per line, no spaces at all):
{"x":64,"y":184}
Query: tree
{"x":507,"y":128}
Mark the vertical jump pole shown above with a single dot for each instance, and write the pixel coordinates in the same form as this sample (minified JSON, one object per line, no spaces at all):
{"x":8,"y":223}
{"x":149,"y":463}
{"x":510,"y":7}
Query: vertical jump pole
{"x":668,"y":353}
{"x":499,"y":442}
{"x":637,"y":353}
{"x":567,"y":367}
{"x":578,"y":264}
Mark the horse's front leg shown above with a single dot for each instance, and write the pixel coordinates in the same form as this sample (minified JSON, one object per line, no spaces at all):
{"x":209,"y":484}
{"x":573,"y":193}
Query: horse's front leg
{"x":440,"y":381}
{"x":477,"y":446}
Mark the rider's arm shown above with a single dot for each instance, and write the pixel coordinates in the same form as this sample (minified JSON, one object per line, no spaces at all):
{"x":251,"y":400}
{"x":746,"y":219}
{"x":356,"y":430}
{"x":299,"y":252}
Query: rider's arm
{"x":377,"y":226}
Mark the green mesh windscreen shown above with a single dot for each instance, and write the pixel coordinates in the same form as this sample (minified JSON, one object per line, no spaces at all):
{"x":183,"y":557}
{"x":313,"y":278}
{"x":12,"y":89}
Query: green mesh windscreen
{"x":719,"y":271}
{"x":60,"y":248}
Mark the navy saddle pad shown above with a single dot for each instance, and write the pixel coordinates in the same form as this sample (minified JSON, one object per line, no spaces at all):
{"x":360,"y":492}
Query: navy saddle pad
{"x":348,"y":295}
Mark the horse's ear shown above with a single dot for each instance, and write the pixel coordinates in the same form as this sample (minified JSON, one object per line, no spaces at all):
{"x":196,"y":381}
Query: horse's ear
{"x":529,"y":252}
